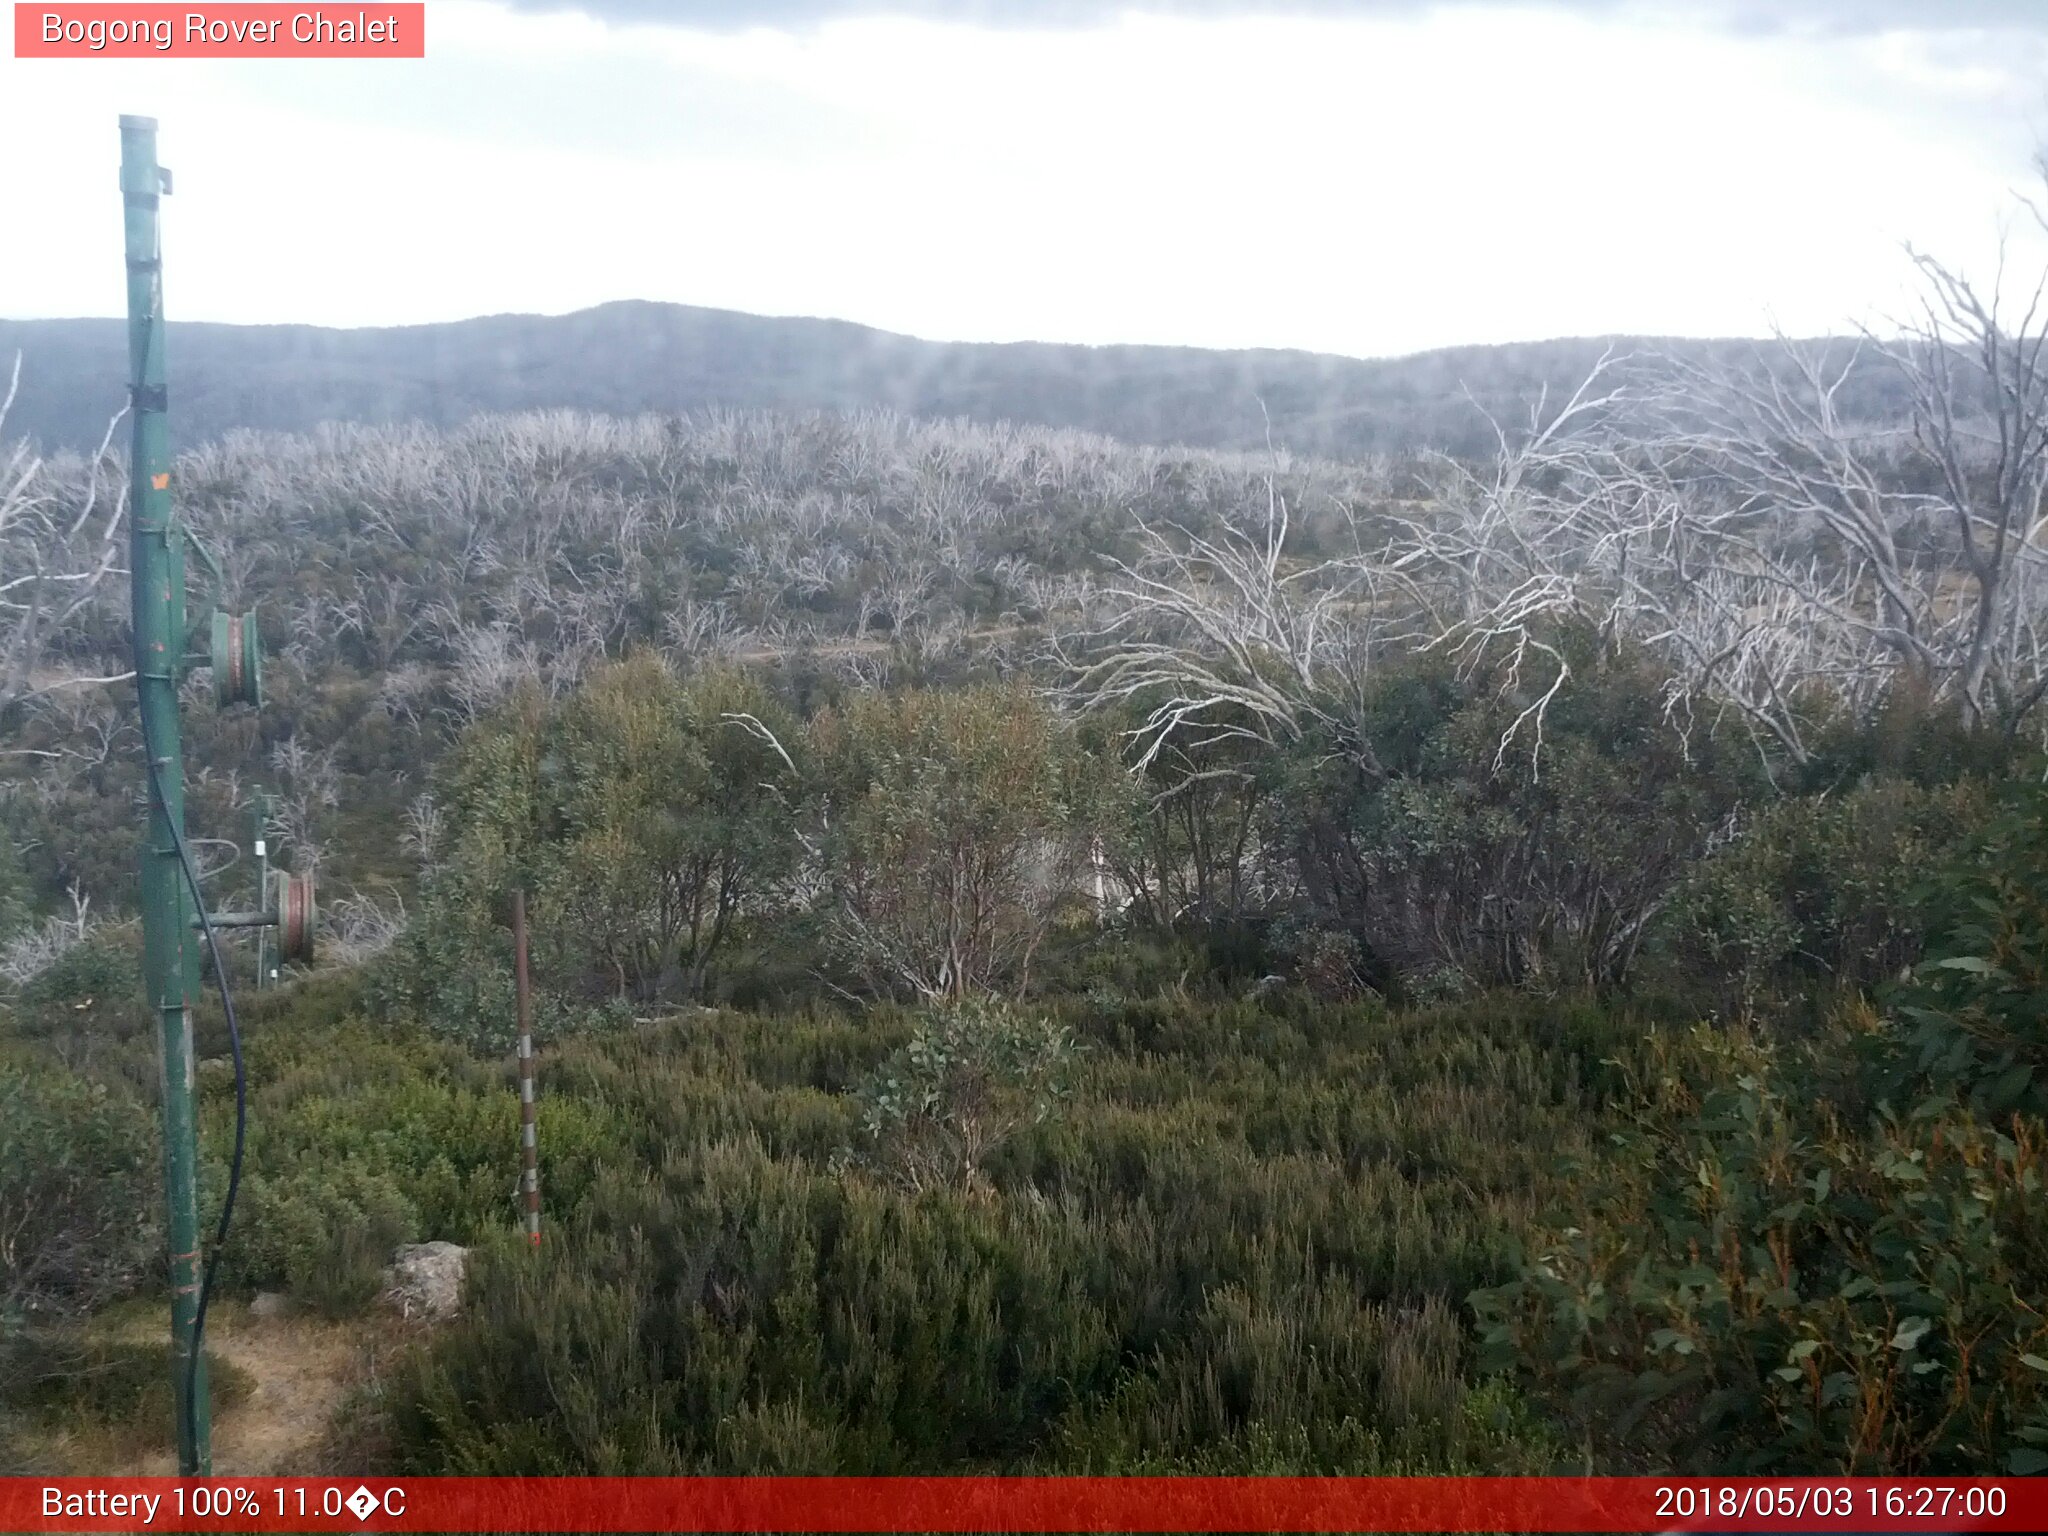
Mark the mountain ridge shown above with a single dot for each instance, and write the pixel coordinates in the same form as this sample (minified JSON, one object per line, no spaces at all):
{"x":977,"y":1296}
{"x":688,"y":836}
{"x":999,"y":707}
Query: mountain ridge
{"x":633,"y":356}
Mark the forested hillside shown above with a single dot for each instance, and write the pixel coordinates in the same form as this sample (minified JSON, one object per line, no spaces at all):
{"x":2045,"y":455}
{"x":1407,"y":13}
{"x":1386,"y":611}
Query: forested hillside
{"x":1058,"y":955}
{"x":624,"y":359}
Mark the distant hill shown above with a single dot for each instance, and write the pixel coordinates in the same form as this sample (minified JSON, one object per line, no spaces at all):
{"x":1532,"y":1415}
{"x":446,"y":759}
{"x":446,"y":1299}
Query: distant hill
{"x":633,"y":357}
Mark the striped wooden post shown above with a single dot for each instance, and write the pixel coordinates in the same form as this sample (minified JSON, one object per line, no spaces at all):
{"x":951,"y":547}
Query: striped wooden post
{"x":529,"y":1147}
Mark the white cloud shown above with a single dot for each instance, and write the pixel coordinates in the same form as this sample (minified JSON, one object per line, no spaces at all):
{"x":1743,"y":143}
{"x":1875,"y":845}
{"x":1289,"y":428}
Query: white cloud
{"x":1365,"y":186}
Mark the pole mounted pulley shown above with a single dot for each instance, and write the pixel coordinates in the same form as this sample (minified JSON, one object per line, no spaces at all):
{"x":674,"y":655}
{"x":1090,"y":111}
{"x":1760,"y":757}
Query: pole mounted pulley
{"x":237,"y":660}
{"x":290,"y":909}
{"x":298,"y":916}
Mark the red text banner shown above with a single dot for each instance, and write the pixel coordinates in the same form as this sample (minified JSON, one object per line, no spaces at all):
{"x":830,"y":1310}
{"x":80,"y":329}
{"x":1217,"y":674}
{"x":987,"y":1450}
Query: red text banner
{"x":237,"y":31}
{"x":1035,"y":1504}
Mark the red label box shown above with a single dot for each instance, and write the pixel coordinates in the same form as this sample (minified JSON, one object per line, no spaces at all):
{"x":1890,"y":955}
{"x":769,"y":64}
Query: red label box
{"x":1022,"y":1504}
{"x":104,"y":30}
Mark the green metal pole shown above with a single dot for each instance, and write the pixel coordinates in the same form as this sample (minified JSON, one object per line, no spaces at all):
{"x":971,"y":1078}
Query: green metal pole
{"x":261,"y":812}
{"x":157,"y":563}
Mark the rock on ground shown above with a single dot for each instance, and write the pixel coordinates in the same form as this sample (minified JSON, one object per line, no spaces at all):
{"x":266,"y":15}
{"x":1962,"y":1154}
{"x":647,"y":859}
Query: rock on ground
{"x":425,"y":1279}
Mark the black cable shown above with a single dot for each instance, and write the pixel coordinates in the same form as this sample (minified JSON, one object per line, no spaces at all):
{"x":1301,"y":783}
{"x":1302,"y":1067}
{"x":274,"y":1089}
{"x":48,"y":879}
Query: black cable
{"x":227,"y":1003}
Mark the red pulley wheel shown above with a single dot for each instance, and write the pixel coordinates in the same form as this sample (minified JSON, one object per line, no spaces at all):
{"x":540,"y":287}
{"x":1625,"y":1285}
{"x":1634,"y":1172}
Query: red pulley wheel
{"x":297,"y":915}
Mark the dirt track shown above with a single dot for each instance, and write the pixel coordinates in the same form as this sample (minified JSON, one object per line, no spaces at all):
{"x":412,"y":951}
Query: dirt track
{"x":302,"y":1369}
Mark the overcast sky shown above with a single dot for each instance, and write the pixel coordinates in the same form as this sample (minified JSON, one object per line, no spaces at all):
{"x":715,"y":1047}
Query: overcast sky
{"x":1368,"y":178}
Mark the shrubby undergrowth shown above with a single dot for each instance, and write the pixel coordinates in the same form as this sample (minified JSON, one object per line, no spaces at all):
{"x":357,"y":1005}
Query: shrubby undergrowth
{"x":1825,"y":1253}
{"x":1240,"y":1246}
{"x":924,"y":1089}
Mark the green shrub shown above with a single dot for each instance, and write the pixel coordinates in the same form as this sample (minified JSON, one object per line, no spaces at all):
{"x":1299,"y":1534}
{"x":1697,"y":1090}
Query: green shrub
{"x":969,"y":1078}
{"x":78,"y":1193}
{"x":670,"y":807}
{"x":323,"y":1234}
{"x":1494,"y":851}
{"x":1824,"y":889}
{"x":956,"y":828}
{"x":91,"y":993}
{"x":1762,"y":1285}
{"x":451,"y":971}
{"x":1329,"y":963}
{"x":1234,"y":1248}
{"x":363,"y":1136}
{"x":1178,"y":837}
{"x":645,"y":815}
{"x":16,"y":893}
{"x":1123,"y":959}
{"x":1974,"y":1019}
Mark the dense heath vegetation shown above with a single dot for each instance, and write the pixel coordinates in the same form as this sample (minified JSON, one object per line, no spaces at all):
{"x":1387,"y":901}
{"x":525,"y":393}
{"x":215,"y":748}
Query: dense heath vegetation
{"x":1047,"y":962}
